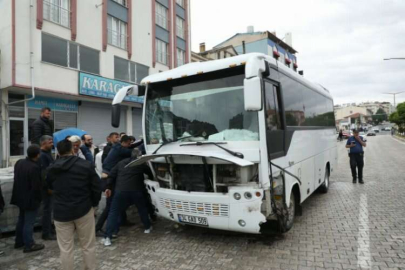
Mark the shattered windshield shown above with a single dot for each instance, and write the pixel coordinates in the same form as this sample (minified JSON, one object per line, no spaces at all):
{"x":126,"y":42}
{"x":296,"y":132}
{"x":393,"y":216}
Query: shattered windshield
{"x":208,"y":110}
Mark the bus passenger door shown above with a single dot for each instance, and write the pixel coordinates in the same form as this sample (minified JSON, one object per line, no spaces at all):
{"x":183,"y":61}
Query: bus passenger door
{"x":274,"y":124}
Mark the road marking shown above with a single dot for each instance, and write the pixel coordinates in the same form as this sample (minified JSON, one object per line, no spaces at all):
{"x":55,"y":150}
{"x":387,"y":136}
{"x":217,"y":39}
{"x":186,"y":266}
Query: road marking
{"x":398,"y":140}
{"x":363,"y":237}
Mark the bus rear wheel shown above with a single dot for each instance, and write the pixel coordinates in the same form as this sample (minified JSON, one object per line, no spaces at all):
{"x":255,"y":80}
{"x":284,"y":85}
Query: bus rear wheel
{"x":286,"y":221}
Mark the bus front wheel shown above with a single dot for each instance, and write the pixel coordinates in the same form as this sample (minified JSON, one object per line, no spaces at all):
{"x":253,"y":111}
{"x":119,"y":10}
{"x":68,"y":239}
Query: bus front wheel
{"x":286,"y":221}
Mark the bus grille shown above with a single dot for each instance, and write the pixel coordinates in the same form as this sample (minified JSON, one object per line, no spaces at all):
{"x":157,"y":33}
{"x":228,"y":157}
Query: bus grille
{"x":209,"y":209}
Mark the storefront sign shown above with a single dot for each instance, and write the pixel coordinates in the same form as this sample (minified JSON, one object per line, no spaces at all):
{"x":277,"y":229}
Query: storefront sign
{"x":53,"y":103}
{"x":96,"y":86}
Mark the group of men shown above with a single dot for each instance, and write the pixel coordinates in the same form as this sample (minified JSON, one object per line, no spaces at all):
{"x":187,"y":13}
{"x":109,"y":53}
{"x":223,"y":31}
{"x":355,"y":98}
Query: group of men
{"x":70,"y":188}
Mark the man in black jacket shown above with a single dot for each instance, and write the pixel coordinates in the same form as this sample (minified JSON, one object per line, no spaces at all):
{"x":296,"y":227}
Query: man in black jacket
{"x":113,"y":138}
{"x":76,"y":190}
{"x":118,"y":152}
{"x":129,"y":190}
{"x":26,"y":196}
{"x":45,"y":160}
{"x":42,"y":126}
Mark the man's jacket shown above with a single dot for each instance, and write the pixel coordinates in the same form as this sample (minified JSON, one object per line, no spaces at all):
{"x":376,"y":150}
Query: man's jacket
{"x":76,"y":187}
{"x":27,"y":185}
{"x":117,"y":153}
{"x":128,"y":179}
{"x":40,"y":127}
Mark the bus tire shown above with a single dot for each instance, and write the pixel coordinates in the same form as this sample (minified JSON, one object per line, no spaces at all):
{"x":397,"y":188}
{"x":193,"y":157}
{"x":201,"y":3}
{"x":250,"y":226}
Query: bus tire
{"x":287,"y":221}
{"x":325,"y":185}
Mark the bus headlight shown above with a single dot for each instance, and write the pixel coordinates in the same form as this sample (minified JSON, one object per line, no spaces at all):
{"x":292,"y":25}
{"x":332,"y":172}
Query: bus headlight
{"x":237,"y":196}
{"x":248,"y":195}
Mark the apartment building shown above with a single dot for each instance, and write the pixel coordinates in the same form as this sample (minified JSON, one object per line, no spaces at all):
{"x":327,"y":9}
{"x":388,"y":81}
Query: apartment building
{"x":74,"y":55}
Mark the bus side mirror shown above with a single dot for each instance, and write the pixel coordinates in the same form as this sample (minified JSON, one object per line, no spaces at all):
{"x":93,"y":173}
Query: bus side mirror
{"x":135,"y":90}
{"x":116,"y":115}
{"x":252,"y":91}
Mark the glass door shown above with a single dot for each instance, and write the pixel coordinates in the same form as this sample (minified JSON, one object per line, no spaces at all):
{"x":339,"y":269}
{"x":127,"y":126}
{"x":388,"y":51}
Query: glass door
{"x":16,"y":137}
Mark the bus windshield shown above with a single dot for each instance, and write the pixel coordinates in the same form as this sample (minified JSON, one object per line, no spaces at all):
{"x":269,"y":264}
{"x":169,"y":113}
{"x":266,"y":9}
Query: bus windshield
{"x":207,"y":110}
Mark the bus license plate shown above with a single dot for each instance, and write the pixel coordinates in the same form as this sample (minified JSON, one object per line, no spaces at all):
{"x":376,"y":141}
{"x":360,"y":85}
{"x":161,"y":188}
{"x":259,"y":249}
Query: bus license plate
{"x":202,"y":221}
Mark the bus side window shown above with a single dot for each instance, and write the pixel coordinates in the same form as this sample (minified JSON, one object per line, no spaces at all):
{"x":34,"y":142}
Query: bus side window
{"x":274,"y":130}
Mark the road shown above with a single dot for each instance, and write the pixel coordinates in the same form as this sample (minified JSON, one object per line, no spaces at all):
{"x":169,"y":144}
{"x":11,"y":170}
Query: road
{"x":353,"y":226}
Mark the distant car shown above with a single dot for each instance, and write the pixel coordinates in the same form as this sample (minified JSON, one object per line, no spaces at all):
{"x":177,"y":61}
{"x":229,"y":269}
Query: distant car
{"x":376,"y":130}
{"x":388,"y":129}
{"x":371,"y":133}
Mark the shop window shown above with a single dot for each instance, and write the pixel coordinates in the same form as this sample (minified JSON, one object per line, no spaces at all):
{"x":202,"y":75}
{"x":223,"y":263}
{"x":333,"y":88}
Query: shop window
{"x":129,"y":71}
{"x":89,"y":60}
{"x":68,"y":54}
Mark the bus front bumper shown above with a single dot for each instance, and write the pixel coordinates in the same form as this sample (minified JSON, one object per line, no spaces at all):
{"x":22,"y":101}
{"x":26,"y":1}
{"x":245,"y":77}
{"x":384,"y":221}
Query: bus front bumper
{"x":238,"y":210}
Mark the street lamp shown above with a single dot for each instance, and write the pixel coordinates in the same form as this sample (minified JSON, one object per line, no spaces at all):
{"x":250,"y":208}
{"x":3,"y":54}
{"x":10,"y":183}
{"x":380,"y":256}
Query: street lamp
{"x":397,"y":93}
{"x":394,"y":94}
{"x":394,"y":58}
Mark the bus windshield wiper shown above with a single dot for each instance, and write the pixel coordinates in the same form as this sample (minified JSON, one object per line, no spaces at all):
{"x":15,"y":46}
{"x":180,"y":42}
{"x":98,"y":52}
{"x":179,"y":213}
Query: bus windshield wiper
{"x":236,"y":154}
{"x":168,"y":142}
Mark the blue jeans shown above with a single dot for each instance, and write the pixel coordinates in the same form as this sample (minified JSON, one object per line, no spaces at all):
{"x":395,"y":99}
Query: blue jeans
{"x":25,"y":228}
{"x":46,"y":214}
{"x":121,"y":201}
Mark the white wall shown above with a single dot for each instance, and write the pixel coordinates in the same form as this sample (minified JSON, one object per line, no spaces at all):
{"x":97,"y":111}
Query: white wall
{"x":5,"y":43}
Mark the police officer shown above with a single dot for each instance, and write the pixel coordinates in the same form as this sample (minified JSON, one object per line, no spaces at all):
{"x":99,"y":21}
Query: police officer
{"x":356,"y":143}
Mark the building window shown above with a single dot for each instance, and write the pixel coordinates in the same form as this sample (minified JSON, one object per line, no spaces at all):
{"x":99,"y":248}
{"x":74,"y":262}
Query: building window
{"x":161,"y":52}
{"x":121,"y":2}
{"x":180,"y":3}
{"x":180,"y":27}
{"x":117,"y":32}
{"x":161,"y":16}
{"x":129,"y":71}
{"x":181,"y":56}
{"x":68,"y":54}
{"x":57,"y":11}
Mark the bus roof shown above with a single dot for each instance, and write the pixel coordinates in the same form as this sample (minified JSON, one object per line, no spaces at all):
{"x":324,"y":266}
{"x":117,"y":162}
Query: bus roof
{"x":197,"y":68}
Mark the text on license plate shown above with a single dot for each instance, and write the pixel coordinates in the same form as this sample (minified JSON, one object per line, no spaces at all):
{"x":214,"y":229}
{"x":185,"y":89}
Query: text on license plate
{"x":202,"y":221}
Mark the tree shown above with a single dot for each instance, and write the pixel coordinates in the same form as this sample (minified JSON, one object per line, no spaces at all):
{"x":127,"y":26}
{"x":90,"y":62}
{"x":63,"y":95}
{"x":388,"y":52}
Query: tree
{"x":379,"y":116}
{"x":398,"y":117}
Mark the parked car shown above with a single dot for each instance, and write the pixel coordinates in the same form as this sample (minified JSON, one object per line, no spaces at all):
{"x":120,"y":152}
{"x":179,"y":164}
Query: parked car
{"x":376,"y":130}
{"x":371,"y":133}
{"x":388,"y":129}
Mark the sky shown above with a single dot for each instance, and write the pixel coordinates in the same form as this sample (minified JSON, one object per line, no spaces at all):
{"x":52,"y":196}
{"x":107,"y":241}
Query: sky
{"x":341,"y":44}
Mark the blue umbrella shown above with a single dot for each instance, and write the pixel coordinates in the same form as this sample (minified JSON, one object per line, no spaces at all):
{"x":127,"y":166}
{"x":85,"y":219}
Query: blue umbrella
{"x":62,"y":134}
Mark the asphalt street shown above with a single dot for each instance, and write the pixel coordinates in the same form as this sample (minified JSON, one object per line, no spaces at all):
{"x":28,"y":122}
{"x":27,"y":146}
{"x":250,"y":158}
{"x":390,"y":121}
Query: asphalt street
{"x":353,"y":226}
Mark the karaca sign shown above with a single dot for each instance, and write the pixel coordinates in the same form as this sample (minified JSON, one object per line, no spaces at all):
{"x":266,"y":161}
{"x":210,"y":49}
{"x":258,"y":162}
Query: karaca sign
{"x":96,"y":86}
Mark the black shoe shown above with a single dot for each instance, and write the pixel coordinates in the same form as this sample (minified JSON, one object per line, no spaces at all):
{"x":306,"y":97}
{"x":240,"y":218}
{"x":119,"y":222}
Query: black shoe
{"x":361,"y":181}
{"x":49,"y":237}
{"x":34,"y":247}
{"x":128,"y":224}
{"x":20,"y":246}
{"x":153,"y":217}
{"x":354,"y":181}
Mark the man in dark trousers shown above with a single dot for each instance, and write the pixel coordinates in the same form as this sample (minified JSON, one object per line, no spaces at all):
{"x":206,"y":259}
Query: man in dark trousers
{"x":113,"y":138}
{"x":42,"y":126}
{"x":76,"y":190}
{"x":129,"y":186}
{"x":27,"y":189}
{"x":356,"y":143}
{"x":45,"y":160}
